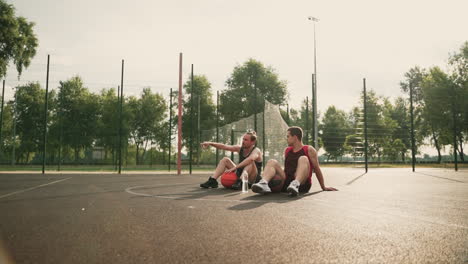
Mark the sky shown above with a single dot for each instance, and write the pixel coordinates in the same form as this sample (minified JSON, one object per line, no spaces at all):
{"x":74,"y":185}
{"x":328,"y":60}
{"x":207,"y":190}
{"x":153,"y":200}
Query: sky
{"x":376,"y":40}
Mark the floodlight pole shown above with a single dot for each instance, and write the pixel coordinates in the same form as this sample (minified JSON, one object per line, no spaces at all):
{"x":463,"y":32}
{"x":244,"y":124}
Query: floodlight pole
{"x":314,"y":89}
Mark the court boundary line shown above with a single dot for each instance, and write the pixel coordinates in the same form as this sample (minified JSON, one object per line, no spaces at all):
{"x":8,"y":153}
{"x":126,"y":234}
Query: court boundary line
{"x":32,"y":188}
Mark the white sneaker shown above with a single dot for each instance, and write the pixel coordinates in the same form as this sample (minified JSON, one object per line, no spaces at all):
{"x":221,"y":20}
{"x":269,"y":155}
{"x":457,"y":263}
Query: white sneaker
{"x":261,"y":187}
{"x":293,"y":188}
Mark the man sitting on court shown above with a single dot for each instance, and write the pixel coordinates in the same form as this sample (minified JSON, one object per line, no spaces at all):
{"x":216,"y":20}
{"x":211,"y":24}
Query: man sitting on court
{"x":250,"y":161}
{"x":300,"y":161}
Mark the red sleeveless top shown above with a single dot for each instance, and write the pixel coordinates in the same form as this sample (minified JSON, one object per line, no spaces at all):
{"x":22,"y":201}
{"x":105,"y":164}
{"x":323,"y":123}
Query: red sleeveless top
{"x":290,"y":162}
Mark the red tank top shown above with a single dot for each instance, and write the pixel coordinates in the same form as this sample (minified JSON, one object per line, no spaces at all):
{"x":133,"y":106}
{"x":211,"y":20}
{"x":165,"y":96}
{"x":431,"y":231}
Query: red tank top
{"x":290,"y":162}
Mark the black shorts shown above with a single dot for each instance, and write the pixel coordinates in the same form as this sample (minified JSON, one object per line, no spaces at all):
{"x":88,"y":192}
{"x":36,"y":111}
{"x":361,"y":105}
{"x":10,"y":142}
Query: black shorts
{"x":257,"y":179}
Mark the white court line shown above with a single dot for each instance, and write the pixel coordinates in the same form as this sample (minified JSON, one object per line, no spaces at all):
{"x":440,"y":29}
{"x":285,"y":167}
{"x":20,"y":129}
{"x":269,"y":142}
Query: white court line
{"x":32,"y":188}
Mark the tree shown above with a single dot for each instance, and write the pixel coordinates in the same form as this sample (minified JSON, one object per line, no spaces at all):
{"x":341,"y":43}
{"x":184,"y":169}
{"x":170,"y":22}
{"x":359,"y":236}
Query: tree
{"x":458,"y":63}
{"x":380,"y":126}
{"x":80,"y":114}
{"x":148,"y":114}
{"x":17,"y":40}
{"x":108,"y":131}
{"x":424,"y":118}
{"x":30,"y":119}
{"x":7,"y":128}
{"x":204,"y":110}
{"x":354,"y":142}
{"x":400,"y":141}
{"x":334,"y":127}
{"x":354,"y":145}
{"x":248,"y":86}
{"x":437,"y":88}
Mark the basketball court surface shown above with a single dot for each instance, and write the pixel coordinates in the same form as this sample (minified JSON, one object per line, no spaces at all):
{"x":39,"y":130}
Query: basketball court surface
{"x":384,"y":216}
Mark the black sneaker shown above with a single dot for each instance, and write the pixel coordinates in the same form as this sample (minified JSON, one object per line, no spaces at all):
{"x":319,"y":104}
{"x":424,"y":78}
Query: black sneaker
{"x":210,"y":183}
{"x":237,"y":185}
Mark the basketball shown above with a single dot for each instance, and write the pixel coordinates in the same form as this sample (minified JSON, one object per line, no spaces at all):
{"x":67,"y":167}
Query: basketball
{"x":228,"y":179}
{"x":276,"y":184}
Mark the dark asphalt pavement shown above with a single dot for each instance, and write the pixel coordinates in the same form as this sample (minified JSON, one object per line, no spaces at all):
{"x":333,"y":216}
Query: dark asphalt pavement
{"x":385,"y":216}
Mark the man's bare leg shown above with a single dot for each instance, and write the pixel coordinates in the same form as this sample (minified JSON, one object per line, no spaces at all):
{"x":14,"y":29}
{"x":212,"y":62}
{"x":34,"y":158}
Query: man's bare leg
{"x":302,"y":172}
{"x":223,"y":165}
{"x":251,"y":171}
{"x":271,"y":169}
{"x":303,"y":168}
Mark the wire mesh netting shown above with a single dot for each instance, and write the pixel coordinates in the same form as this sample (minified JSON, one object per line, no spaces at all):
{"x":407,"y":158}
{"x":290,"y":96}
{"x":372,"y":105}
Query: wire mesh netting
{"x":271,"y":135}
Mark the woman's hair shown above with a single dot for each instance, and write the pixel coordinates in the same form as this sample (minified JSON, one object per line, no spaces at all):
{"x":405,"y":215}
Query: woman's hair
{"x":252,"y":134}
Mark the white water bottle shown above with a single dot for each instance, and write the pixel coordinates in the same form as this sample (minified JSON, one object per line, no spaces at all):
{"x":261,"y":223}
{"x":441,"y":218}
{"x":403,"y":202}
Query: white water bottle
{"x":245,"y":183}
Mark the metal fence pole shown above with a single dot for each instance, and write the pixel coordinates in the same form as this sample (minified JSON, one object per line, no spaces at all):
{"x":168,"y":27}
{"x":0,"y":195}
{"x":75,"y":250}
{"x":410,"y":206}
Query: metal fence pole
{"x":263,"y":133}
{"x":365,"y":126}
{"x":191,"y":124}
{"x":217,"y":126}
{"x":13,"y":159}
{"x":413,"y":149}
{"x":170,"y":130}
{"x":61,"y":132}
{"x":255,"y":103}
{"x":455,"y":145}
{"x":232,"y":143}
{"x":44,"y":141}
{"x":120,"y":118}
{"x":1,"y":115}
{"x":306,"y":141}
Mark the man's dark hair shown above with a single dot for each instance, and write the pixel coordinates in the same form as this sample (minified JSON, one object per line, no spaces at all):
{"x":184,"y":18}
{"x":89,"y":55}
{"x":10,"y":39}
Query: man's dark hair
{"x":296,"y":131}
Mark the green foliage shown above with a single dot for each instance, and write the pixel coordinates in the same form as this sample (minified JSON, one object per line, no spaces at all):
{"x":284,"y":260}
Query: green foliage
{"x":30,"y":100}
{"x":148,"y":113}
{"x":199,"y":112}
{"x":79,"y":111}
{"x":335,"y":126}
{"x":17,"y":40}
{"x":240,"y":99}
{"x":440,"y":102}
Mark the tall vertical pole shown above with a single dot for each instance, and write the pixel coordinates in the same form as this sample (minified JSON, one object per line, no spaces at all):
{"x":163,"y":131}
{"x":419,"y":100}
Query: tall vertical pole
{"x":61,"y":131}
{"x":170,"y":130}
{"x":232,"y":143}
{"x":365,"y":125}
{"x":198,"y":127}
{"x":314,"y":89}
{"x":455,"y":147}
{"x":263,"y":132}
{"x":315,"y":56}
{"x":44,"y":140}
{"x":306,"y":141}
{"x":255,"y":101}
{"x":313,"y":109}
{"x":191,"y":122}
{"x":287,"y":113}
{"x":217,"y":126}
{"x":120,"y":117}
{"x":179,"y":121}
{"x":13,"y":160}
{"x":117,"y":144}
{"x":315,"y":114}
{"x":1,"y":114}
{"x":413,"y":149}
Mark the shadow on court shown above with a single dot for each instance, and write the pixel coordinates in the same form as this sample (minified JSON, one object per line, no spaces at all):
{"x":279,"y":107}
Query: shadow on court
{"x":258,"y":200}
